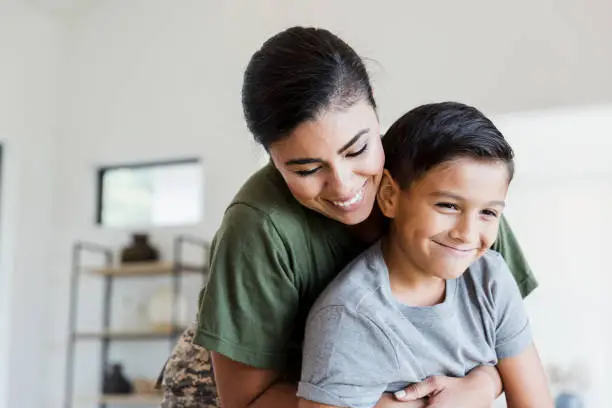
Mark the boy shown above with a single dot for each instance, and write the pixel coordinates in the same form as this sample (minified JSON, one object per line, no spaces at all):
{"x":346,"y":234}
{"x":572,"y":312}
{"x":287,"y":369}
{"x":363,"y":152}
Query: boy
{"x":430,"y":298}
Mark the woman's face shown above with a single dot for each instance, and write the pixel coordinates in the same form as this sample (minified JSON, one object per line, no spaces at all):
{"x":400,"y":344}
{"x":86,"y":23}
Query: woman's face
{"x":333,"y":164}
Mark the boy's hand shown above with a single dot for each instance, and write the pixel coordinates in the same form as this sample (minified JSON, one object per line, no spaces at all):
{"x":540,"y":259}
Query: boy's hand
{"x":478,"y":389}
{"x":389,"y":401}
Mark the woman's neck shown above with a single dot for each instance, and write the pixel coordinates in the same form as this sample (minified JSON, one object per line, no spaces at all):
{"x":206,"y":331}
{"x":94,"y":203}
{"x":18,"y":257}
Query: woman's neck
{"x":409,"y":284}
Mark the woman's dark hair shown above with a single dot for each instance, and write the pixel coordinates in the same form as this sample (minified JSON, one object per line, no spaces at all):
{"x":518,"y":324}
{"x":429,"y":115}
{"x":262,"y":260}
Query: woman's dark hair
{"x":436,"y":133}
{"x":296,"y":75}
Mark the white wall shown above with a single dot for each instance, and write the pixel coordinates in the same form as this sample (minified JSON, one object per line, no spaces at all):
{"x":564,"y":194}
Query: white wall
{"x":559,"y":207}
{"x":29,"y":74}
{"x":152,"y":79}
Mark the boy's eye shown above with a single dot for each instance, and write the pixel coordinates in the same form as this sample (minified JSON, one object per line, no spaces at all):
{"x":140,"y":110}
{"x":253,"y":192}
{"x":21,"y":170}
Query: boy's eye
{"x":358,"y":152}
{"x":447,"y":206}
{"x":304,"y":173}
{"x":490,"y":213}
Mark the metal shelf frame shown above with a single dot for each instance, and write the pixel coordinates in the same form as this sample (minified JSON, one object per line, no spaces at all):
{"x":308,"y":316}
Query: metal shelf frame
{"x":109,"y":273}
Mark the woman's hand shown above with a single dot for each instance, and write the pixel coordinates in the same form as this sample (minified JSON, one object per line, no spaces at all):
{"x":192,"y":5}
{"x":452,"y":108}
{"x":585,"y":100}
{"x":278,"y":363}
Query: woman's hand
{"x":478,"y":389}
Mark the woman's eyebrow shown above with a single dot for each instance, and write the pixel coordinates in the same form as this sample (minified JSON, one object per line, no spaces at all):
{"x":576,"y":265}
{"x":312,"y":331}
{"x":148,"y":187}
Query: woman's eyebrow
{"x":302,"y":161}
{"x":353,"y":140}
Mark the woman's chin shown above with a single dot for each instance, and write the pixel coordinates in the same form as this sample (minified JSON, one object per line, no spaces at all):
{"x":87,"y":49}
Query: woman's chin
{"x":354,"y":217}
{"x":348,"y":216}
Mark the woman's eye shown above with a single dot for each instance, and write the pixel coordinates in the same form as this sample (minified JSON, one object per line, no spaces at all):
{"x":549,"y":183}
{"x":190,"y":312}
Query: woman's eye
{"x":304,"y":173}
{"x":447,"y":206}
{"x":358,"y":152}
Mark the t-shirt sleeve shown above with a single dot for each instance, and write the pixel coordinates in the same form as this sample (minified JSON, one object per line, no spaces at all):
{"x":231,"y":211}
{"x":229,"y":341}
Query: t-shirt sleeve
{"x":507,"y":245}
{"x":248,"y":307}
{"x":512,"y":329}
{"x":346,"y":360}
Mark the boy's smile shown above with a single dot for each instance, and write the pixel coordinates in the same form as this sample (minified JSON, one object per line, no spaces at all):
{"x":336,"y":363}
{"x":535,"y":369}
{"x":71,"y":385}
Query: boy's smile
{"x":455,"y":251}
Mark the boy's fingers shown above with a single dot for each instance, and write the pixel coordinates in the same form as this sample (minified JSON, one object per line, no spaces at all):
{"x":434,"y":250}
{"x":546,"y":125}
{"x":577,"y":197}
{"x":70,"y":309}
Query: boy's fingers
{"x":420,"y":403}
{"x":416,"y":391}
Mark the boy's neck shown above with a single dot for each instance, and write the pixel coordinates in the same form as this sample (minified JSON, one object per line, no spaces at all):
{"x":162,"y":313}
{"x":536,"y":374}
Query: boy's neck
{"x":409,"y":284}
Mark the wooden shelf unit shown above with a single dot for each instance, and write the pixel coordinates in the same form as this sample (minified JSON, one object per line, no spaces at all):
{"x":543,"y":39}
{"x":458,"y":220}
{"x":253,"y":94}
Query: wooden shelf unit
{"x":131,"y":399}
{"x":131,"y":334}
{"x":138,"y":269}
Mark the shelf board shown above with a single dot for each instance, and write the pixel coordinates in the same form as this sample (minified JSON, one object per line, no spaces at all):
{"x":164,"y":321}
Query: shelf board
{"x":130,"y":335}
{"x":148,"y":269}
{"x":131,"y":399}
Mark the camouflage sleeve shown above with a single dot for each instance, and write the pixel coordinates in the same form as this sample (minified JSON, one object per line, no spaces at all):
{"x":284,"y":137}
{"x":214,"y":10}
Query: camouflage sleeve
{"x":187,"y":378}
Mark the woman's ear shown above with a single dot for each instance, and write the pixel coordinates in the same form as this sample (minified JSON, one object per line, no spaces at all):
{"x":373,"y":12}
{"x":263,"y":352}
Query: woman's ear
{"x":388,"y":195}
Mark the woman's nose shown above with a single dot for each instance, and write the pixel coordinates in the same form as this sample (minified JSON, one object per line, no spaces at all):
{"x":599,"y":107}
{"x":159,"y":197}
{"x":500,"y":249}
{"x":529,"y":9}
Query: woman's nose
{"x":340,"y":181}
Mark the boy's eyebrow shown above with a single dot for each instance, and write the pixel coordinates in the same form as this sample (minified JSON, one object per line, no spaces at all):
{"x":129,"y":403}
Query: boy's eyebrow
{"x":447,"y":194}
{"x":310,"y":160}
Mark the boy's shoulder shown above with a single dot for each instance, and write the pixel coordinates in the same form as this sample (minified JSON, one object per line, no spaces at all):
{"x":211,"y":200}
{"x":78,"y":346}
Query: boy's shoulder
{"x":486,"y":266}
{"x":490,"y":273}
{"x":358,"y":283}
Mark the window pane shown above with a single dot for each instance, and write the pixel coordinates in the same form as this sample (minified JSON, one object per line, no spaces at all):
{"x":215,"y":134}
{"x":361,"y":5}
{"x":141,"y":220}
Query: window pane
{"x":166,"y":194}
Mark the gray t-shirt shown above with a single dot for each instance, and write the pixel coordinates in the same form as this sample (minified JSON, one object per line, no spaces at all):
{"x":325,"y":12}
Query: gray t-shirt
{"x":360,"y":342}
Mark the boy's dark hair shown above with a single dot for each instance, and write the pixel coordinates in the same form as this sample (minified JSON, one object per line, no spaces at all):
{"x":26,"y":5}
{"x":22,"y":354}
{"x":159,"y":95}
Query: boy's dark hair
{"x":297,"y":74}
{"x":436,"y":133}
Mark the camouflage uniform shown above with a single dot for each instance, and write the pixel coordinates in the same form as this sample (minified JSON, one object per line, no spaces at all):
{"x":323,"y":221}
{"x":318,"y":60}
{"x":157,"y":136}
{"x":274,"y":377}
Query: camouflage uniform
{"x":187,"y":378}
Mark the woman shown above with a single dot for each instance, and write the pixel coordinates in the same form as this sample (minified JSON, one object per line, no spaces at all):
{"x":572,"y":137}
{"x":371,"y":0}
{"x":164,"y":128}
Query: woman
{"x":294,"y":224}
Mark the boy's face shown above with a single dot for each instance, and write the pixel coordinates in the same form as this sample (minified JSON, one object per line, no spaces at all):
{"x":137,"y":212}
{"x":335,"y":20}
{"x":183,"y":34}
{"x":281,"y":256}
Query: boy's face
{"x":448,"y":218}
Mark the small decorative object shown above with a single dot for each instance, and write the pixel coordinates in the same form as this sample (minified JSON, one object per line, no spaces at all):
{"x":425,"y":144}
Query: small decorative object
{"x":570,"y":383}
{"x":139,"y":250}
{"x":565,"y":400}
{"x":114,"y":381}
{"x":159,"y":310}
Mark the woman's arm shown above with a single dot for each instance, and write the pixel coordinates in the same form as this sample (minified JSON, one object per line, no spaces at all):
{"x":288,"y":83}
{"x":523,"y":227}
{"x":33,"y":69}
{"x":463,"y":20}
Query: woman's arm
{"x":479,"y":388}
{"x":259,"y":388}
{"x":524,"y":380}
{"x":386,"y":401}
{"x":241,"y":386}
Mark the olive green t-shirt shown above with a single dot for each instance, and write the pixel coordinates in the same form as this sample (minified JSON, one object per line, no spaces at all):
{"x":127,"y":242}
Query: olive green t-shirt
{"x":270,"y":260}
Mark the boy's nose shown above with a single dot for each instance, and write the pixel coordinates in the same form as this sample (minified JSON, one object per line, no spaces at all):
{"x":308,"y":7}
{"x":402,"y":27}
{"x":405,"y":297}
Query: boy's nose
{"x":465,"y":229}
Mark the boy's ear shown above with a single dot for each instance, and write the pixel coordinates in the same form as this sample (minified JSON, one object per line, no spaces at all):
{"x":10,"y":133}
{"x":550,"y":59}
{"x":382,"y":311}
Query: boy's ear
{"x":388,"y":195}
